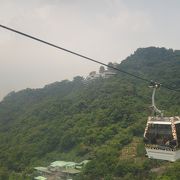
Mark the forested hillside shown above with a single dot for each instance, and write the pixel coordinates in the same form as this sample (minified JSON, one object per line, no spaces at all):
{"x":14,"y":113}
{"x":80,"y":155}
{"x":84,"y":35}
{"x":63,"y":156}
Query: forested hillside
{"x":96,"y":120}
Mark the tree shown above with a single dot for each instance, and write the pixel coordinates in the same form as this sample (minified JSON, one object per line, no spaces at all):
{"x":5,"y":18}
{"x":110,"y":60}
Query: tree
{"x":101,"y":69}
{"x":111,"y":65}
{"x":78,"y":79}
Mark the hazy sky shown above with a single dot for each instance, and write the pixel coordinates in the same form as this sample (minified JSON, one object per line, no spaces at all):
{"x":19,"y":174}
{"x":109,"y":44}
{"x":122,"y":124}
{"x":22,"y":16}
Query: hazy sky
{"x":107,"y":30}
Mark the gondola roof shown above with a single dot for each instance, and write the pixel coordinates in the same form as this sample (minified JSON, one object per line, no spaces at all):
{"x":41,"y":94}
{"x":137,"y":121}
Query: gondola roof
{"x":164,"y":120}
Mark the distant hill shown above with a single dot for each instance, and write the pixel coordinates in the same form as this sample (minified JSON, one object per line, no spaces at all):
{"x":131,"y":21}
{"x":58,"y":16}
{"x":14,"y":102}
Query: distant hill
{"x":98,"y":120}
{"x":159,"y":64}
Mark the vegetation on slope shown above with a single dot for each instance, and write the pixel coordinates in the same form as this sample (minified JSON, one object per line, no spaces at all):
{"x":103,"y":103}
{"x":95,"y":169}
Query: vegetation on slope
{"x":97,"y":120}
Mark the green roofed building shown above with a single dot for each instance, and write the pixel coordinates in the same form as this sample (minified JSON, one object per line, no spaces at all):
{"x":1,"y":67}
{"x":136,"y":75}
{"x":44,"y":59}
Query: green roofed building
{"x":43,"y":169}
{"x":40,"y":178}
{"x":83,"y":163}
{"x":63,"y":164}
{"x":71,"y":171}
{"x":60,"y":169}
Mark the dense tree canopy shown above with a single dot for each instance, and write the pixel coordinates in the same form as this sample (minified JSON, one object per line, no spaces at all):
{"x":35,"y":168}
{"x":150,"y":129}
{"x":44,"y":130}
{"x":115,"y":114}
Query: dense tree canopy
{"x":96,"y":120}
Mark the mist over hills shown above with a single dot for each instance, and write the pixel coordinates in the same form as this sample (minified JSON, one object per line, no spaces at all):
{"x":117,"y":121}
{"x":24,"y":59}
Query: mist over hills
{"x":96,"y":120}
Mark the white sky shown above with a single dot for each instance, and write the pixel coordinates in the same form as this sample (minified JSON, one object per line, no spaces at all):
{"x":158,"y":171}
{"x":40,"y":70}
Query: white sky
{"x":107,"y":30}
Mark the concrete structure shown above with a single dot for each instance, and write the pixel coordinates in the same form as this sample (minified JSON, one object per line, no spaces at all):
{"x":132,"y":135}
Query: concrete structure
{"x":60,"y":170}
{"x":106,"y":74}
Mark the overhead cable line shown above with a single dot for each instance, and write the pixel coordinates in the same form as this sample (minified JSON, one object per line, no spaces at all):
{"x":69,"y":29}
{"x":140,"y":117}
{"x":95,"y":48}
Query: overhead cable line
{"x":82,"y":56}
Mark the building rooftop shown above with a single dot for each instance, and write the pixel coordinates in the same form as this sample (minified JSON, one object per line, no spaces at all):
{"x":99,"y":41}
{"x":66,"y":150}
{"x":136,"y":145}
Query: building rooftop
{"x":62,"y":164}
{"x":163,"y":119}
{"x":71,"y":171}
{"x":40,"y":178}
{"x":83,"y":162}
{"x":42,"y":169}
{"x":60,"y":169}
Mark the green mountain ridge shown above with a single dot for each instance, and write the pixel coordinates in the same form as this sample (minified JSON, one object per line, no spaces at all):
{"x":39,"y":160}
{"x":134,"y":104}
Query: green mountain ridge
{"x":96,"y":120}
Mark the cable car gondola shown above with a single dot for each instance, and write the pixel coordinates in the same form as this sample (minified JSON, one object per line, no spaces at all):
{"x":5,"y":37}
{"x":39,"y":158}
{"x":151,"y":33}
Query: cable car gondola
{"x":162,"y":134}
